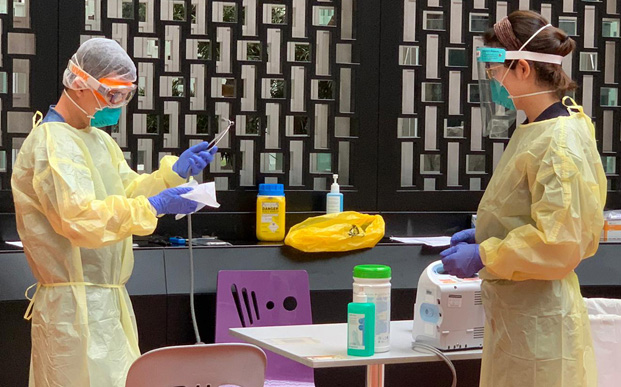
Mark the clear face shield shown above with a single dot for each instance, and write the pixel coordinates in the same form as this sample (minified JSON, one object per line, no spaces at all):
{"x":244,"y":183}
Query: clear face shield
{"x":497,"y":109}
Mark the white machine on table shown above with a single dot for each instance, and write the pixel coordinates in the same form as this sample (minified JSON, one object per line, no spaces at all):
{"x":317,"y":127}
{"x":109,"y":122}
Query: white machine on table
{"x":448,"y":313}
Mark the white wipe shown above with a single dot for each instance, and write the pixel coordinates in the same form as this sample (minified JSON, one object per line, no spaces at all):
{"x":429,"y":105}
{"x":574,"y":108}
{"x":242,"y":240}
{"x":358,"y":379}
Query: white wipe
{"x":204,"y":194}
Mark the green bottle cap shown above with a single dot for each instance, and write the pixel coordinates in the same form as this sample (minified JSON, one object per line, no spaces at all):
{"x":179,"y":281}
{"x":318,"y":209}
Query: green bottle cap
{"x":372,"y":271}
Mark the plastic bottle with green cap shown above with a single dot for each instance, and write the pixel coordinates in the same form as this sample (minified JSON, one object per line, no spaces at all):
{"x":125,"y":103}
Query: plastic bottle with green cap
{"x":372,"y":284}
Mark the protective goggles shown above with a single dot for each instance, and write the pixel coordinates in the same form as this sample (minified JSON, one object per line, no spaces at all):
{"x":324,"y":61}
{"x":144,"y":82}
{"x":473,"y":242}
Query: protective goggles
{"x":112,"y":92}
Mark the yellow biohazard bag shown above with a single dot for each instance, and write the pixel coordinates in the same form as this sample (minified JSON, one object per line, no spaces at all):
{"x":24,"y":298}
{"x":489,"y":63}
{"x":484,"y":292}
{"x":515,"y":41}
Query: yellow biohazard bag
{"x":343,"y":231}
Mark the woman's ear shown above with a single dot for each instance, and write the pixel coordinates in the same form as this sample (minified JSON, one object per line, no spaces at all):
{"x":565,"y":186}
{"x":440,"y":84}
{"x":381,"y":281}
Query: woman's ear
{"x":523,"y":70}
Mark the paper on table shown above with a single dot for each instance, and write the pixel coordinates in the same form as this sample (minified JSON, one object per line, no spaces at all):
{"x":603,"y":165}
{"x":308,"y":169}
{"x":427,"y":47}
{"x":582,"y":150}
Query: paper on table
{"x":293,"y":341}
{"x":204,"y":194}
{"x":429,"y":241}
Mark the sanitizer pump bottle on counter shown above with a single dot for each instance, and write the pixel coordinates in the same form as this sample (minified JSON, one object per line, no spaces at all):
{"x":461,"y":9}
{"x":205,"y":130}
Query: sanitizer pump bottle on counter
{"x":334,"y":199}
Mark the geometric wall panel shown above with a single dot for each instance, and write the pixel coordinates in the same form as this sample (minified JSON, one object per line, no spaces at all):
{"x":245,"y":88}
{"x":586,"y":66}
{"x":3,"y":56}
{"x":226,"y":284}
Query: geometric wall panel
{"x":383,"y":93}
{"x":17,"y":50}
{"x":431,"y":99}
{"x":284,"y":71}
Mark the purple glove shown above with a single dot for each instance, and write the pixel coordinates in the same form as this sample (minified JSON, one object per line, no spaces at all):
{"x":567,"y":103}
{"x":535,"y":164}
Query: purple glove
{"x":465,"y":236}
{"x":194,"y":159}
{"x":169,"y":201}
{"x":463,"y":260}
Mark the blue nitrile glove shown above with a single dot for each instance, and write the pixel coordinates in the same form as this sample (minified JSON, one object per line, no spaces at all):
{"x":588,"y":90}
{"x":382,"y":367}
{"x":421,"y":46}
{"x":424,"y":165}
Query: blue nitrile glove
{"x":194,"y":159}
{"x":463,"y":260}
{"x":465,"y":236}
{"x":170,"y":201}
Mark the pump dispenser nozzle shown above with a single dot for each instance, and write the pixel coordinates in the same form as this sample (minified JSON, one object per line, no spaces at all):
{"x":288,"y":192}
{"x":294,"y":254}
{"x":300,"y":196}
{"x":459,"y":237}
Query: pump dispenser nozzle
{"x":335,"y":188}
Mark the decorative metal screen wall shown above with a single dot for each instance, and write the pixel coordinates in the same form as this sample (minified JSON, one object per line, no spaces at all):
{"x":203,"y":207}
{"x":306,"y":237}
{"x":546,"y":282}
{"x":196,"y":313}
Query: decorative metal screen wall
{"x":17,"y":48}
{"x":382,"y":93}
{"x":287,"y":72}
{"x":430,"y":112}
{"x":284,"y":71}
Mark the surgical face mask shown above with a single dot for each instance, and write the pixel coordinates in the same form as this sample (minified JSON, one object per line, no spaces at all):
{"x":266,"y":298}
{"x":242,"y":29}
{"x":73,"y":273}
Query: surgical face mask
{"x":500,"y":95}
{"x":104,"y":116}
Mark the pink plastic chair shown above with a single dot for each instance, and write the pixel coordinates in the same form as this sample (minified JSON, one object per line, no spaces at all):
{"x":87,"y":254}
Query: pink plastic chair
{"x":210,"y":365}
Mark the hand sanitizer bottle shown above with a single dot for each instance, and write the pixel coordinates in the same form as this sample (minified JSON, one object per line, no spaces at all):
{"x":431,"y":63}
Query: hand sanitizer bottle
{"x":360,"y":329}
{"x":334,"y":199}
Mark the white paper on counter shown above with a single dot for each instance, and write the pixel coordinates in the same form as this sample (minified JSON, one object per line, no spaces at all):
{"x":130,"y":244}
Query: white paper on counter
{"x":429,"y":241}
{"x":204,"y":194}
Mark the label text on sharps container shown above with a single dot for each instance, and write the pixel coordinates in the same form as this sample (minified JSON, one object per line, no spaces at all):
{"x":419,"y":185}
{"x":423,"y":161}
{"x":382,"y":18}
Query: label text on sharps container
{"x":270,"y":206}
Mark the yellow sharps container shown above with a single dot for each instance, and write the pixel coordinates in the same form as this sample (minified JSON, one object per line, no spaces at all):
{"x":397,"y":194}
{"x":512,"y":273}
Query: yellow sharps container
{"x":271,"y":213}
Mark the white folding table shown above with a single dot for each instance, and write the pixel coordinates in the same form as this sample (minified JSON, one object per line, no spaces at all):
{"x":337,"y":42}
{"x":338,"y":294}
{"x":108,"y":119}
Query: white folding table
{"x":325,"y":345}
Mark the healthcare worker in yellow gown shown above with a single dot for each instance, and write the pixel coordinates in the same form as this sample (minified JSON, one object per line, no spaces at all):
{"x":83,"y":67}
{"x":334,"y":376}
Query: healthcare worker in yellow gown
{"x":78,"y":204}
{"x":541,"y":213}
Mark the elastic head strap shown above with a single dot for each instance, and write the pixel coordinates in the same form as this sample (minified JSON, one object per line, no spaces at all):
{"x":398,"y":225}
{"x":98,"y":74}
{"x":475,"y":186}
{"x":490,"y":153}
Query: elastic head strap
{"x":534,"y":56}
{"x":88,"y":79}
{"x":533,"y":36}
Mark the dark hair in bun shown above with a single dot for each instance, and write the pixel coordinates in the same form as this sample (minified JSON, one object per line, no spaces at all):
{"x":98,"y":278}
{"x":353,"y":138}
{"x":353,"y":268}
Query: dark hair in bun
{"x":551,"y":40}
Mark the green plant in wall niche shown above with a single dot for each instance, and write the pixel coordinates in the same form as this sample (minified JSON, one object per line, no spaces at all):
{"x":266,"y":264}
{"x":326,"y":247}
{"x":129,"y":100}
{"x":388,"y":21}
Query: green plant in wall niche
{"x":179,"y":12}
{"x":127,"y":10}
{"x":279,"y":15}
{"x":177,"y":87}
{"x":226,"y":161}
{"x":217,"y":53}
{"x":204,"y":50}
{"x":165,"y":123}
{"x":277,"y":88}
{"x":302,"y":53}
{"x":229,"y":14}
{"x":142,"y":12}
{"x":253,"y":125}
{"x":253,"y":51}
{"x":152,"y":123}
{"x":202,"y":124}
{"x":300,"y":125}
{"x":326,"y":90}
